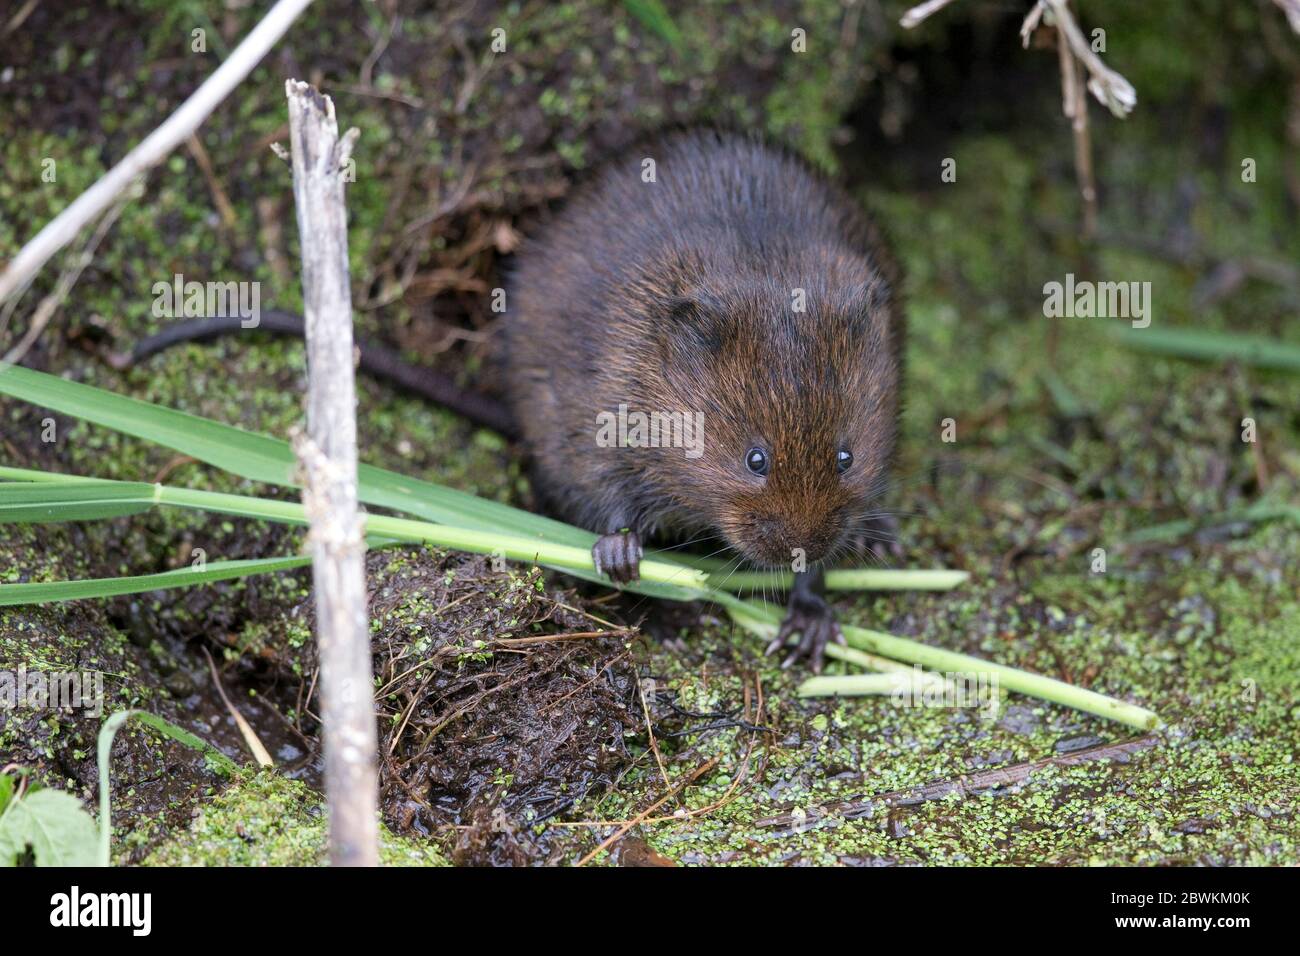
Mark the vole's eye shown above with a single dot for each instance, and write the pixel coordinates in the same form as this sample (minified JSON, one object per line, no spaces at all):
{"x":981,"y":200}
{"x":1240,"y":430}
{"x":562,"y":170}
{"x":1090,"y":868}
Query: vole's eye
{"x":756,"y":461}
{"x":843,"y":461}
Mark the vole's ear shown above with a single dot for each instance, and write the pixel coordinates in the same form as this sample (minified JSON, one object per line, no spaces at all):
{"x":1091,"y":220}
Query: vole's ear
{"x":679,"y":308}
{"x":694,"y":317}
{"x":690,"y":305}
{"x":870,"y":308}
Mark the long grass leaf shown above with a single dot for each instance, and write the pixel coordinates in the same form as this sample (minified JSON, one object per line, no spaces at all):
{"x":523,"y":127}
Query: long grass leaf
{"x":762,"y":620}
{"x":36,"y":503}
{"x":1210,"y":346}
{"x":42,"y":592}
{"x":262,"y":458}
{"x":66,"y":501}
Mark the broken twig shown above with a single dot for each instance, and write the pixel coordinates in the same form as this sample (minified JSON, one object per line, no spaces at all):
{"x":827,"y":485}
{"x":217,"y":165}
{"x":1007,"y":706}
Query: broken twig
{"x":328,"y":455}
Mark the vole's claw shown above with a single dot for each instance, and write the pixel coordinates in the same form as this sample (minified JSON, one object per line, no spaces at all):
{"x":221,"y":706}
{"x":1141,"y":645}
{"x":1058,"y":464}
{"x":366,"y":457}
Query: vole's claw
{"x":813,"y":620}
{"x":618,"y":555}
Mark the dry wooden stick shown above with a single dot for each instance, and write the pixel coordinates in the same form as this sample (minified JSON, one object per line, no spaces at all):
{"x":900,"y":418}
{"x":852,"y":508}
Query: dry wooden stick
{"x":49,"y":305}
{"x":1074,"y":103}
{"x":174,"y":131}
{"x":251,"y":740}
{"x":328,"y":455}
{"x":1111,"y":89}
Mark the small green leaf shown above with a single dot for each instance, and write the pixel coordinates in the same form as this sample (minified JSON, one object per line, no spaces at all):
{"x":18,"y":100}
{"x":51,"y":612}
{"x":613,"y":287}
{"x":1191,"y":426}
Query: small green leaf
{"x":656,"y":17}
{"x":6,"y":791}
{"x":53,"y":824}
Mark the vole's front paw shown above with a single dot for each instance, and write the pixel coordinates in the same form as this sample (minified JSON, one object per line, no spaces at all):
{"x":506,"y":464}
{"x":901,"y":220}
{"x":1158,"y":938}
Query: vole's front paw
{"x":618,"y":555}
{"x":814,"y":620}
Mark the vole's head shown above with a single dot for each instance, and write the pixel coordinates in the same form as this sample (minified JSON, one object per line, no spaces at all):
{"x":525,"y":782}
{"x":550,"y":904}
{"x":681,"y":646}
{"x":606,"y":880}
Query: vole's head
{"x":798,"y":409}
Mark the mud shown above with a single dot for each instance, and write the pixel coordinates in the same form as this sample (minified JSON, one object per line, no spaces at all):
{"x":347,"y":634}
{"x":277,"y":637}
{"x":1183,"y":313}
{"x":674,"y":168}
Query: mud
{"x":503,"y":703}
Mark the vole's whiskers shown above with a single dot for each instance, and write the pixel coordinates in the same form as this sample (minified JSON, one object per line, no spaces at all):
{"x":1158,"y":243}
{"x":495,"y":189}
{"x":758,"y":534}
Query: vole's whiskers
{"x":712,"y":535}
{"x":739,"y":563}
{"x":713,"y":554}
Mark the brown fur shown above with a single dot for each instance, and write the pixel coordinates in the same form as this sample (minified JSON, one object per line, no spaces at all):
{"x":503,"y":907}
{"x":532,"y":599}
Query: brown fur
{"x":676,"y":296}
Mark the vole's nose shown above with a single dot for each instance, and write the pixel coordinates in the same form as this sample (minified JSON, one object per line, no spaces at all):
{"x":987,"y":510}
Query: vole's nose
{"x":783,"y":542}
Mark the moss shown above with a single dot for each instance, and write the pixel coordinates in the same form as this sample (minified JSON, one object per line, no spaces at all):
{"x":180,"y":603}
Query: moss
{"x":1218,"y":786}
{"x":265,"y":819}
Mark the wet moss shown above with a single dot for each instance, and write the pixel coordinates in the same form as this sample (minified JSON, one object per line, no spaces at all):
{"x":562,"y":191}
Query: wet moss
{"x":265,"y":819}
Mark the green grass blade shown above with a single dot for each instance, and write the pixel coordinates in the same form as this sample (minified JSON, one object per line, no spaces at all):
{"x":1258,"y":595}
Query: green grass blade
{"x":270,"y":460}
{"x":40,"y":502}
{"x":67,"y":501}
{"x":44,"y":592}
{"x":1210,"y":346}
{"x":28,"y":474}
{"x":761,"y":619}
{"x":263,"y":458}
{"x":938,"y":579}
{"x":655,"y":16}
{"x":244,"y":453}
{"x":855,"y":685}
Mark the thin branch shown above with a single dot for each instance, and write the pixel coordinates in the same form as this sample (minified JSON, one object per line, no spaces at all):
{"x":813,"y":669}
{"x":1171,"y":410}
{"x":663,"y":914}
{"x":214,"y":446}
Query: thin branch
{"x":1292,"y":10}
{"x":329,"y":460}
{"x":1074,"y":103}
{"x":152,"y":150}
{"x":1032,"y":19}
{"x":922,"y":11}
{"x":49,"y":306}
{"x":1111,"y":89}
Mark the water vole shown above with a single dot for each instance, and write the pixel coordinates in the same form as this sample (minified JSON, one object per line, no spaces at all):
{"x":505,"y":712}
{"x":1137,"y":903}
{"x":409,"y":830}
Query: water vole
{"x":709,"y":277}
{"x":722,"y":284}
